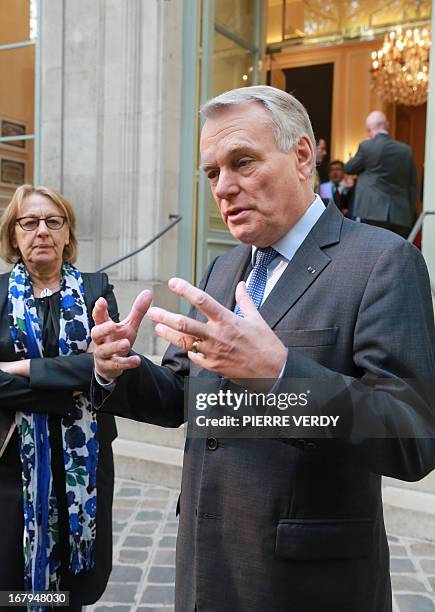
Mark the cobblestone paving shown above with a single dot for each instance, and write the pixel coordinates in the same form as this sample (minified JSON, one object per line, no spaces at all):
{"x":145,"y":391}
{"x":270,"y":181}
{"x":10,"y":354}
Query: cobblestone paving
{"x":143,"y":575}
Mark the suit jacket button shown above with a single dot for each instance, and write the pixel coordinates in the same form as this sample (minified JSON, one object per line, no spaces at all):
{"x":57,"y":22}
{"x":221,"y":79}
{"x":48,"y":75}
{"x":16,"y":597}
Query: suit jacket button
{"x":311,"y":445}
{"x":212,"y":444}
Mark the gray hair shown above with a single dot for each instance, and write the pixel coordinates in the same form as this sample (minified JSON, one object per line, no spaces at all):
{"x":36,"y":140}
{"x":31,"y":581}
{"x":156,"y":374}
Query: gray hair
{"x":289,"y":119}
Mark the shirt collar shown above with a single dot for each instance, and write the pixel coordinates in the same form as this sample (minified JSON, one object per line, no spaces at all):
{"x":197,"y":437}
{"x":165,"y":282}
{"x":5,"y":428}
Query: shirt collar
{"x":289,"y":244}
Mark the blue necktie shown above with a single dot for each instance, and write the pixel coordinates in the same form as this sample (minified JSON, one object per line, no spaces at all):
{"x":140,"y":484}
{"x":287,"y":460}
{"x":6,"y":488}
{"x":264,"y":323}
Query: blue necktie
{"x":257,"y":282}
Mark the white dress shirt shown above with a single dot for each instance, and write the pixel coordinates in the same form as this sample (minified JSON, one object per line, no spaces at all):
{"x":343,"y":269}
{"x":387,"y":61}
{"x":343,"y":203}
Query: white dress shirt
{"x":289,"y":244}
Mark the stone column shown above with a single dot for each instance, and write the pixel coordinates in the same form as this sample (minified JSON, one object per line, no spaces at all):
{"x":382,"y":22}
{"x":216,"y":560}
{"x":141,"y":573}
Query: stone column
{"x":111,"y":77}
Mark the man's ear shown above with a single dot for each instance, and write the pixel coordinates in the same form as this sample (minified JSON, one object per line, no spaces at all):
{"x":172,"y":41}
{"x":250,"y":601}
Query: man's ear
{"x":305,"y":157}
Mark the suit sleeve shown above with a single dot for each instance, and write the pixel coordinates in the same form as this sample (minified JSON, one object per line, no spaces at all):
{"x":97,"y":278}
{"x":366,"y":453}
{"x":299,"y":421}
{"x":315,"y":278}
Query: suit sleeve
{"x":356,"y":165}
{"x":151,"y":393}
{"x":394,"y":349}
{"x":71,"y":372}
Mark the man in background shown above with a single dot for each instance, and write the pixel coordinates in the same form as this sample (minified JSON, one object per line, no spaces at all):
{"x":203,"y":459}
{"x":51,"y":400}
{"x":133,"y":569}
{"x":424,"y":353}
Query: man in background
{"x":386,"y":189}
{"x":321,"y":153}
{"x":339,"y":189}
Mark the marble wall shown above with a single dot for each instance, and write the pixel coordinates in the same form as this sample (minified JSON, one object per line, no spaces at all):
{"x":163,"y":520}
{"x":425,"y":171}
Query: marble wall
{"x":111,"y":77}
{"x":110,"y":110}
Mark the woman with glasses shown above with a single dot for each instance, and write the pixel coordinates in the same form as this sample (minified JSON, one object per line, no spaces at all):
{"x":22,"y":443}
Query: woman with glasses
{"x":56,"y":463}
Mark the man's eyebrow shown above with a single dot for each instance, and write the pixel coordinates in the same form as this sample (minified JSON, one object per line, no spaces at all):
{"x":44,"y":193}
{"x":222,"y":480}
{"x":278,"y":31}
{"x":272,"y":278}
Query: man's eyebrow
{"x":206,"y":166}
{"x":231,"y":152}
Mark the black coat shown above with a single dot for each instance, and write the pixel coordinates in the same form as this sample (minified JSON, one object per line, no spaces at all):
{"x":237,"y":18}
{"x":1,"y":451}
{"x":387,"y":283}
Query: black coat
{"x":49,"y":389}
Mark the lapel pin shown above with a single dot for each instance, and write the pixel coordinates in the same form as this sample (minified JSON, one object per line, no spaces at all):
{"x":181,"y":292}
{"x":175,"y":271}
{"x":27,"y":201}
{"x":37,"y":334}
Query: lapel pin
{"x":311,"y":270}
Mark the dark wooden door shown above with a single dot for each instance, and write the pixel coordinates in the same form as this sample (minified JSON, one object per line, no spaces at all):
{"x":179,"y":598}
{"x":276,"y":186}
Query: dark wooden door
{"x":410,"y":127}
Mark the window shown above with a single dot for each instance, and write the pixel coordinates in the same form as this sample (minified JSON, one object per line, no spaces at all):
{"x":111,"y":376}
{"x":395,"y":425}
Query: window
{"x":223,"y":48}
{"x":321,"y":21}
{"x":235,"y":52}
{"x":19,"y":87}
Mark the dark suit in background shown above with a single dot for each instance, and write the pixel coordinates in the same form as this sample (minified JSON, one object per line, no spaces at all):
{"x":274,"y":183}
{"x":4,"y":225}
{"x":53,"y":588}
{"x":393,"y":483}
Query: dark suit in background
{"x":50,"y":386}
{"x":386,"y":189}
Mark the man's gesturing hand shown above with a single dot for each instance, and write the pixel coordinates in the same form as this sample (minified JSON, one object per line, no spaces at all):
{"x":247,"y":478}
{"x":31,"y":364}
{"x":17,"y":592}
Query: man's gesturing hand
{"x":233,"y":346}
{"x":112,"y":341}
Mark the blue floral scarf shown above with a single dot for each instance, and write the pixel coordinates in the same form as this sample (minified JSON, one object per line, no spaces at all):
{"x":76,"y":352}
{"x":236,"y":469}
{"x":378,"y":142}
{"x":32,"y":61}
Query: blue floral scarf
{"x":79,"y":439}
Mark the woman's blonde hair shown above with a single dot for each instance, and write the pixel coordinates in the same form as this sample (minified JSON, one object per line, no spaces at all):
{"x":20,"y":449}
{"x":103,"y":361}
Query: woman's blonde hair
{"x":10,"y":253}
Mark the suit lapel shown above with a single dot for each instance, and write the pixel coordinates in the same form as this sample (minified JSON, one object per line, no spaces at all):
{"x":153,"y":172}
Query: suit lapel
{"x":234,"y":267}
{"x":302,"y":271}
{"x":7,"y":420}
{"x":7,"y":347}
{"x":306,"y":266}
{"x":4,"y":286}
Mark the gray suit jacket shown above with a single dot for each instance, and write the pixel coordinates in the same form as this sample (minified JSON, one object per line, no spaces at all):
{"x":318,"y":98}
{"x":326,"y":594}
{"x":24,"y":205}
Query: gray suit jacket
{"x":386,"y":189}
{"x":292,"y":525}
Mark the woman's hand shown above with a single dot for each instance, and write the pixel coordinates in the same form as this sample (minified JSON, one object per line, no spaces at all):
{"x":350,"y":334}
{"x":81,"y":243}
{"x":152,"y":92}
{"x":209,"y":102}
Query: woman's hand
{"x":17,"y":368}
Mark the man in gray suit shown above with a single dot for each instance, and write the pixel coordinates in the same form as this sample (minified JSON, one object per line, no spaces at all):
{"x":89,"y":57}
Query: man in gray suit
{"x":286,"y":524}
{"x":386,"y":189}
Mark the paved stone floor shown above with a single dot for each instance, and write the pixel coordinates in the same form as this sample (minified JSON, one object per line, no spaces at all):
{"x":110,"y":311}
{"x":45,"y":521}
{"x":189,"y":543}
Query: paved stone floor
{"x":143,"y":573}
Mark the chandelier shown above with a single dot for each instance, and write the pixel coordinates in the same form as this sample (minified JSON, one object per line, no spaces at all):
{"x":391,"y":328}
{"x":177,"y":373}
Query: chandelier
{"x":400,"y":70}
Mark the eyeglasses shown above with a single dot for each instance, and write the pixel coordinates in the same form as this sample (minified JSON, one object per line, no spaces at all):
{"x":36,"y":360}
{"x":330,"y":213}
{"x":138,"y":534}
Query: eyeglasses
{"x":29,"y":224}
